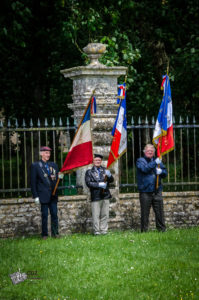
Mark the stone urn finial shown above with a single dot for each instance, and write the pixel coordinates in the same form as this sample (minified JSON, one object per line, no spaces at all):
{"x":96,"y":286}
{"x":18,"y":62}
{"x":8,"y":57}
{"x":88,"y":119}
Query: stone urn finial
{"x":94,"y":52}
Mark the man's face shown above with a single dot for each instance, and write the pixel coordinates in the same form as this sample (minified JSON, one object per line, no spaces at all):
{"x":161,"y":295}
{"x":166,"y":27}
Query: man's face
{"x":45,"y":155}
{"x":97,"y":161}
{"x":149,"y":152}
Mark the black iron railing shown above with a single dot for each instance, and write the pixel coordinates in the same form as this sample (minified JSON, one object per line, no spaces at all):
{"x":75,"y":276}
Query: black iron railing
{"x":182,"y":163}
{"x":19,"y":147}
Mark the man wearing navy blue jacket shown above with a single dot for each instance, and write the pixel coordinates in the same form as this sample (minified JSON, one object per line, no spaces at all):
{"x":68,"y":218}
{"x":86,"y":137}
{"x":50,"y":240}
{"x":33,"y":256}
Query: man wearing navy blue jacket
{"x":44,"y":175}
{"x":148,"y":168}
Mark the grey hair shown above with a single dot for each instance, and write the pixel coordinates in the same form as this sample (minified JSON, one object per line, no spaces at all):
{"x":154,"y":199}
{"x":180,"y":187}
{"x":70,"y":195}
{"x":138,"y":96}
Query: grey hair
{"x":149,"y":146}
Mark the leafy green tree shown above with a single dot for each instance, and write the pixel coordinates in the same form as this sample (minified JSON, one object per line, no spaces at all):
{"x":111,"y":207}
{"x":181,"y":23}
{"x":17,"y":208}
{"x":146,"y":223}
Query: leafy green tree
{"x":38,"y":38}
{"x":147,"y":37}
{"x":34,"y":49}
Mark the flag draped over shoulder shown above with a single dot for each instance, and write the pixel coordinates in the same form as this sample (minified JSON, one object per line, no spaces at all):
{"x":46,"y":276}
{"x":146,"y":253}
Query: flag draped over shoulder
{"x":119,"y":132}
{"x":163,"y":134}
{"x":81,"y":150}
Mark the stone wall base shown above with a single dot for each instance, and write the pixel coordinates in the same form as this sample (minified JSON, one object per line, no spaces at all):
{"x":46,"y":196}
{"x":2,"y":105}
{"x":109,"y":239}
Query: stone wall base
{"x":21,"y":217}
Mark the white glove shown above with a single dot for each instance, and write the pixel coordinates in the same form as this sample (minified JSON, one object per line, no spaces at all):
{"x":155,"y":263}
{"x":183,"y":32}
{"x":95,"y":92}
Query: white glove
{"x":61,"y":175}
{"x":103,"y":185}
{"x":158,"y":160}
{"x":37,"y":200}
{"x":108,"y":173}
{"x":158,"y":171}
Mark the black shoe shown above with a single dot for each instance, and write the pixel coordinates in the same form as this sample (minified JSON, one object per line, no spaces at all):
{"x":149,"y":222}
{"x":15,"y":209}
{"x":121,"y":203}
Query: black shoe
{"x":56,"y":236}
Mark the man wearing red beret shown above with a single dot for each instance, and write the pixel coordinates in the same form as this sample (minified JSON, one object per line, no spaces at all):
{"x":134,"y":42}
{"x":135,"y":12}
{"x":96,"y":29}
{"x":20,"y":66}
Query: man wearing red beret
{"x":44,"y":175}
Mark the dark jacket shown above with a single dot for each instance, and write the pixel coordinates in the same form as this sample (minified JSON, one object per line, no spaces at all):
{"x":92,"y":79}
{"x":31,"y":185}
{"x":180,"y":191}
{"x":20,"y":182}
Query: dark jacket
{"x":146,"y":174}
{"x":92,"y":179}
{"x":41,"y":183}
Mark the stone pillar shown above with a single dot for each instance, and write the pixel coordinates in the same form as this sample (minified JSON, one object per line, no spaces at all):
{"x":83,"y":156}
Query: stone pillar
{"x":104,"y":80}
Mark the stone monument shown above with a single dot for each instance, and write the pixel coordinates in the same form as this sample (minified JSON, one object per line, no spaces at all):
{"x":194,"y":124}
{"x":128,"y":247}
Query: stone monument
{"x":104,"y":80}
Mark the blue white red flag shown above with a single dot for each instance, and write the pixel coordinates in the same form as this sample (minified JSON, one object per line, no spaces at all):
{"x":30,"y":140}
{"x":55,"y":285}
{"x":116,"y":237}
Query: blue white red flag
{"x":163,"y":134}
{"x":93,"y":106}
{"x":119,"y":133}
{"x":81,"y":150}
{"x":121,"y":92}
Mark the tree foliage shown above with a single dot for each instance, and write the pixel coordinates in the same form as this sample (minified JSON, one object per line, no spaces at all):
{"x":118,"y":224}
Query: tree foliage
{"x":38,"y":38}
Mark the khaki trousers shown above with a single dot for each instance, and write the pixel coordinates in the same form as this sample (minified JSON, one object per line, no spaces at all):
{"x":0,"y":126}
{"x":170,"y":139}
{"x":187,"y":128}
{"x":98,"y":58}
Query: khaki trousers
{"x":100,"y":216}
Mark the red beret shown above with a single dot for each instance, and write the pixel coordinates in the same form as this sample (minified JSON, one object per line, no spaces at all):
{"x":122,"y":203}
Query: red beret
{"x":45,"y":148}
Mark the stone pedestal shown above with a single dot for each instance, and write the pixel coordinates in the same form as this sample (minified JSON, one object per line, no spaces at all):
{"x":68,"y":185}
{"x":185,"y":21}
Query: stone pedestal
{"x":104,"y":81}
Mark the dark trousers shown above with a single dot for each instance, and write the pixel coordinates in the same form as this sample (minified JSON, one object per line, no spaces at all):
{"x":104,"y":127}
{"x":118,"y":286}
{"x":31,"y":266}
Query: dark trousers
{"x":155,"y":200}
{"x":52,"y":206}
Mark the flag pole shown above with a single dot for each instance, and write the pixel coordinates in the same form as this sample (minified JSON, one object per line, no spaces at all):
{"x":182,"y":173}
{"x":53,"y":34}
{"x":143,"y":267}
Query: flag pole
{"x":125,"y":81}
{"x":57,"y":183}
{"x":157,"y":178}
{"x":58,"y":180}
{"x":126,"y":76}
{"x":84,"y":113}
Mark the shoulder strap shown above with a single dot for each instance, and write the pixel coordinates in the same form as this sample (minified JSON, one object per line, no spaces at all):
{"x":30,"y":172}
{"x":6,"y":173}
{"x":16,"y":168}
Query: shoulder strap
{"x":44,"y":173}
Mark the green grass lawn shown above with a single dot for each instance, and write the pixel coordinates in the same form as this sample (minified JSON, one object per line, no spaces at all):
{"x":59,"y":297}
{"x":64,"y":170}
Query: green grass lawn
{"x":121,"y":265}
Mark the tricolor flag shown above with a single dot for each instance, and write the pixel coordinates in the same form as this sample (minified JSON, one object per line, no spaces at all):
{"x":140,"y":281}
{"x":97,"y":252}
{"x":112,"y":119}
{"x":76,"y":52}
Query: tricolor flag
{"x":93,"y":106}
{"x":121,"y":92}
{"x":81,"y":150}
{"x":119,"y":133}
{"x":163,"y":134}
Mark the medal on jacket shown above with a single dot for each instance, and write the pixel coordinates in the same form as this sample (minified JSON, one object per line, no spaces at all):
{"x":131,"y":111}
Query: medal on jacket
{"x":44,"y":173}
{"x":97,"y":173}
{"x":53,"y":173}
{"x":53,"y":177}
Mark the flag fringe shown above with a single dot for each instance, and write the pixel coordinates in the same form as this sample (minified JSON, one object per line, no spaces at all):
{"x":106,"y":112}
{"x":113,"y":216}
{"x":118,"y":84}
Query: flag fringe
{"x":163,"y":133}
{"x":74,"y":169}
{"x":116,"y":157}
{"x":165,"y":152}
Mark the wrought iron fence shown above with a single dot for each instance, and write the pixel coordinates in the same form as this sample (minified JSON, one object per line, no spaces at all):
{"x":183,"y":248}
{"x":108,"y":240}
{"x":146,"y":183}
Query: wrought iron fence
{"x":182,"y":163}
{"x":19,"y":147}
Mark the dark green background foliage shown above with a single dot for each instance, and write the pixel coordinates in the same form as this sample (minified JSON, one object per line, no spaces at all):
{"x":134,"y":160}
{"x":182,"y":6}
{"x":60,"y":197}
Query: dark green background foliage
{"x":38,"y":38}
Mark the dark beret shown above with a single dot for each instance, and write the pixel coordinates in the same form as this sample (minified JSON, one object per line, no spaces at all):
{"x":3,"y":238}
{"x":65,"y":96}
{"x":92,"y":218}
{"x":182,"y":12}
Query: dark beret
{"x":98,"y":155}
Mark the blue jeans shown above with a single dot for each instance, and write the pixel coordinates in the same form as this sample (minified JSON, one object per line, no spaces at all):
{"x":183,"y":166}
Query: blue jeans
{"x":52,"y":206}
